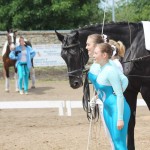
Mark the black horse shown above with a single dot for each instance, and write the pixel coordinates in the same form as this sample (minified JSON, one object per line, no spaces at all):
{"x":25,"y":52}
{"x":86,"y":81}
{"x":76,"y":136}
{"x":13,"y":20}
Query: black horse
{"x":75,"y":56}
{"x":135,"y":63}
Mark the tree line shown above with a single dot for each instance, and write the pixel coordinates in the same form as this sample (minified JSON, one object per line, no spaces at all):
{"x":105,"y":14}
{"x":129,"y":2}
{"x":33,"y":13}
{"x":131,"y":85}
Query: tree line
{"x":67,"y":14}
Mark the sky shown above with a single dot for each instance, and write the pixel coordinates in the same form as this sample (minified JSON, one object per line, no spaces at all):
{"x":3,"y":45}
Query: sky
{"x":108,"y":3}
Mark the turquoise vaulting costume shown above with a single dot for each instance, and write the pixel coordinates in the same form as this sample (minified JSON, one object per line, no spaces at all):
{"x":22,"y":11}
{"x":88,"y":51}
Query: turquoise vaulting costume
{"x":24,"y":66}
{"x":109,"y":86}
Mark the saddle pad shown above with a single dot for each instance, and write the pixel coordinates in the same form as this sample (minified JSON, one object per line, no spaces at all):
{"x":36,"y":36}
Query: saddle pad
{"x":146,"y":27}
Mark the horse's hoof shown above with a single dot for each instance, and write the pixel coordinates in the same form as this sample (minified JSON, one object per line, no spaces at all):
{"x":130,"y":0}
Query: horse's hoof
{"x":32,"y":87}
{"x":17,"y":90}
{"x":6,"y":90}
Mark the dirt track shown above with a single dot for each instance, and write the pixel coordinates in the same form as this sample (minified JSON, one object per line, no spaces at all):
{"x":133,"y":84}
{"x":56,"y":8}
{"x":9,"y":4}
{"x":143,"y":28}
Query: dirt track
{"x":43,"y":129}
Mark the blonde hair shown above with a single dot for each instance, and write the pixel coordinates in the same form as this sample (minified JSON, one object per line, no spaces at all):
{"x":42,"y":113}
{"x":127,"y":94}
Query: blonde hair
{"x":105,"y":48}
{"x":120,"y":47}
{"x":97,"y":38}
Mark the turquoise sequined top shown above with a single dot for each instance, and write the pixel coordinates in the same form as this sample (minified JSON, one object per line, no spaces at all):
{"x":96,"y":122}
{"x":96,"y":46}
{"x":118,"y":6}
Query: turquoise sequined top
{"x":108,"y":80}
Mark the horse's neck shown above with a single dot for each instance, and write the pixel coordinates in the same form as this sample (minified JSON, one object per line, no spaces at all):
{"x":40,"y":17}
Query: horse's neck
{"x":116,"y":35}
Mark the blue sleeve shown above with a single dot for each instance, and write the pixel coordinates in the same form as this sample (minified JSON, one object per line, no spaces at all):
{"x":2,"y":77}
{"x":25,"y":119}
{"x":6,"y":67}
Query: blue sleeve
{"x":93,"y":72}
{"x":12,"y":55}
{"x":114,"y":80}
{"x":32,"y":52}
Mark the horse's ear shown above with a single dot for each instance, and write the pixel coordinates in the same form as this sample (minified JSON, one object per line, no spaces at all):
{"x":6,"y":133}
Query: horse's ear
{"x":15,"y":32}
{"x":60,"y":36}
{"x":7,"y":29}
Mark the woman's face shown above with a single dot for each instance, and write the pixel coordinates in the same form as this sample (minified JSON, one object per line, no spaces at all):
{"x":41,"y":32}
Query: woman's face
{"x":90,"y":45}
{"x":98,"y":55}
{"x":21,"y":40}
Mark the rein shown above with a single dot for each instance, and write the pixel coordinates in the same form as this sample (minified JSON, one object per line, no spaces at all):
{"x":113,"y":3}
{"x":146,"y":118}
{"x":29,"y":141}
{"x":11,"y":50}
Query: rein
{"x":137,"y":60}
{"x":86,"y":88}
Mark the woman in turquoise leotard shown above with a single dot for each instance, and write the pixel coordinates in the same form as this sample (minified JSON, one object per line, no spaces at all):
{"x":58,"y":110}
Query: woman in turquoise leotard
{"x":107,"y":83}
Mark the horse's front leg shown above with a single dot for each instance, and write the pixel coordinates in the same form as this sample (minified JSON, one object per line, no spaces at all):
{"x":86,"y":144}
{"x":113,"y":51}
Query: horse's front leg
{"x":6,"y":74}
{"x":131,"y":97}
{"x":145,"y":93}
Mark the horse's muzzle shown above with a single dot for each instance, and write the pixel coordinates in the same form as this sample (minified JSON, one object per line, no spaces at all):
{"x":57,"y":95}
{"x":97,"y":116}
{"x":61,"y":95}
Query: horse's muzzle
{"x":76,"y":83}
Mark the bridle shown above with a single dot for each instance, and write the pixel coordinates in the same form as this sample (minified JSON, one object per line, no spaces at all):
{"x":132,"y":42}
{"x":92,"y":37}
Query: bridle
{"x":86,"y":89}
{"x":74,"y":73}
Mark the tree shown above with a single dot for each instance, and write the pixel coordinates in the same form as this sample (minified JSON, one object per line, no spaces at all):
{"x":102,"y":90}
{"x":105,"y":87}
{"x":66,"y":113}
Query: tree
{"x":133,"y":11}
{"x":67,"y":14}
{"x":48,"y":14}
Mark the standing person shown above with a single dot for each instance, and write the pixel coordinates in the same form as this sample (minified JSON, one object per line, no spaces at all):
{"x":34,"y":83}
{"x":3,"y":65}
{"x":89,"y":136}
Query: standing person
{"x":23,"y":54}
{"x":95,"y":68}
{"x":116,"y":110}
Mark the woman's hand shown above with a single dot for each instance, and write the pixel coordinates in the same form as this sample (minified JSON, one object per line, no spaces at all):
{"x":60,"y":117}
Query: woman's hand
{"x":120,"y":124}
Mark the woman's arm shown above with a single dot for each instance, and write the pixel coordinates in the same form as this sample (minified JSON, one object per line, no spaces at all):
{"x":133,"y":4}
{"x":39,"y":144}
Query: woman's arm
{"x":115,"y":82}
{"x":124,"y":81}
{"x":123,"y":78}
{"x":32,"y":52}
{"x":12,"y":55}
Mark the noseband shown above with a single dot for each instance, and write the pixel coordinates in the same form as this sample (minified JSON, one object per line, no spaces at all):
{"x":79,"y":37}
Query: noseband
{"x":74,"y":72}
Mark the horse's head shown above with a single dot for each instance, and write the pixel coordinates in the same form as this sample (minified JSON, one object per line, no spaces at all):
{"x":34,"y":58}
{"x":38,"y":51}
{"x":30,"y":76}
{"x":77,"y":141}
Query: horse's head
{"x":74,"y":56}
{"x":11,"y":37}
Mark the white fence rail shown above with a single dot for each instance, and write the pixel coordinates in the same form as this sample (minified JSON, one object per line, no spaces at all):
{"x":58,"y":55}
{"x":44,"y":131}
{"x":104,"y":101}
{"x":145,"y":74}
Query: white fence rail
{"x":60,"y":105}
{"x":34,"y":104}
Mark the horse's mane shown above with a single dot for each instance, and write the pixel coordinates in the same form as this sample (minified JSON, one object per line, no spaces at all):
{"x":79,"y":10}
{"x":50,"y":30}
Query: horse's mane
{"x":4,"y":48}
{"x":92,"y":27}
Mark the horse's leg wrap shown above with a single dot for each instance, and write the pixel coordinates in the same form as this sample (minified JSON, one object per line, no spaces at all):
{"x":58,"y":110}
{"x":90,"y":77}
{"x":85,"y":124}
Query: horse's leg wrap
{"x":7,"y":84}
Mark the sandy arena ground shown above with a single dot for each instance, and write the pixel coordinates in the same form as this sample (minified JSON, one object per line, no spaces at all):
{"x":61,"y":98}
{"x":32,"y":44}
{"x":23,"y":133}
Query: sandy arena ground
{"x":43,"y":129}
